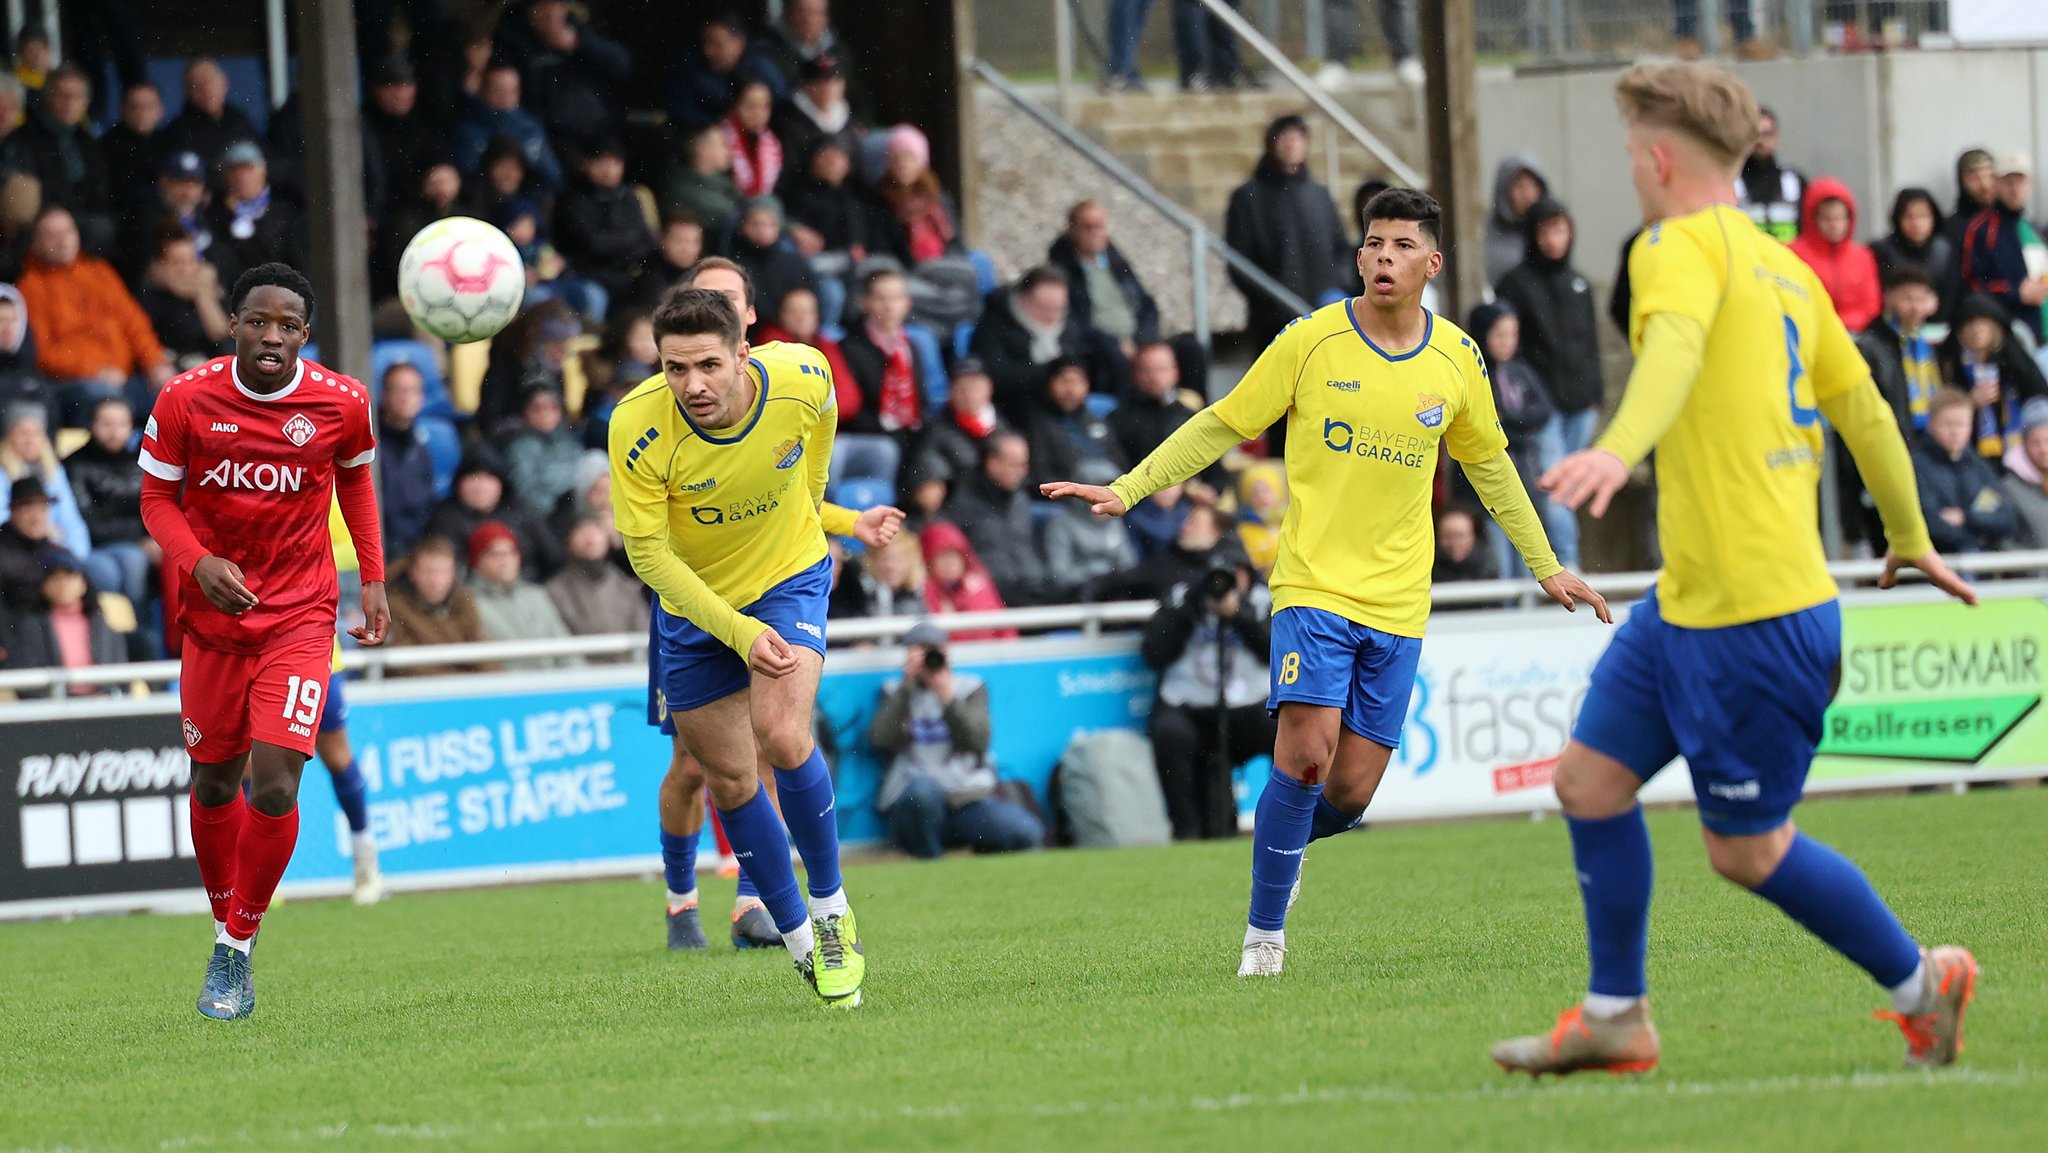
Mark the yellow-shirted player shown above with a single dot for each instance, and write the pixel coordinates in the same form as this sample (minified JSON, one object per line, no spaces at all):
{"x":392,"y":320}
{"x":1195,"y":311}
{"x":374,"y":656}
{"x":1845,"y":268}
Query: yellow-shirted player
{"x":719,"y":468}
{"x":1370,"y":388}
{"x":1731,"y":659}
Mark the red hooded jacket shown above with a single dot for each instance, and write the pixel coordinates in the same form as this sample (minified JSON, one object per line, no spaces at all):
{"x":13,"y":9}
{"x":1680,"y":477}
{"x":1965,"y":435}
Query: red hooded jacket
{"x":974,"y":592}
{"x":1847,"y":270}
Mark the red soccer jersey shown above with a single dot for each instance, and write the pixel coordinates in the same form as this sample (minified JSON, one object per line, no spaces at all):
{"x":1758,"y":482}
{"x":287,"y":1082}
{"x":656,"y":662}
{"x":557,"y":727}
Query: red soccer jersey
{"x":259,"y":478}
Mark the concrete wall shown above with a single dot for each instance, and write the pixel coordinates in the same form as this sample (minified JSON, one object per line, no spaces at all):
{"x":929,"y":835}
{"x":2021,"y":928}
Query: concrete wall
{"x":1876,"y":123}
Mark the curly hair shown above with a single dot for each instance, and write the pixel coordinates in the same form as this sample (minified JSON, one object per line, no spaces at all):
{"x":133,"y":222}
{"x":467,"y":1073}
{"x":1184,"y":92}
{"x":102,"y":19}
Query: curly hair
{"x":274,"y":274}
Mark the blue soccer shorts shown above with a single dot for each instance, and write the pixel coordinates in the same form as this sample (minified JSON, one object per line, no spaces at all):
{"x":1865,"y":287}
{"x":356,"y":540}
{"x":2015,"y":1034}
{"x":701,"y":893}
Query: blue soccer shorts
{"x":1320,"y":658}
{"x":1744,"y":706}
{"x":688,"y":668}
{"x":334,"y":714}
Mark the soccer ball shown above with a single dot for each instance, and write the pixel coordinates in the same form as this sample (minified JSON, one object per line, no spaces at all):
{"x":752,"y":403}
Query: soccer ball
{"x":461,"y":280}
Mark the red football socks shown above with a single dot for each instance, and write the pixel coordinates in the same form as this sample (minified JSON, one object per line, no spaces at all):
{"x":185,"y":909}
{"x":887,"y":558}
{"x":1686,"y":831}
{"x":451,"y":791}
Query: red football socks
{"x":266,"y":848}
{"x":216,"y":841}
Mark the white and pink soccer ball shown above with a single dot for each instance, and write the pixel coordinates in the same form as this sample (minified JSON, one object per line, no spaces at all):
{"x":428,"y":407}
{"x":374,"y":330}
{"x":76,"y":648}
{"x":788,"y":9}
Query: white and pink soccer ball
{"x":461,"y":280}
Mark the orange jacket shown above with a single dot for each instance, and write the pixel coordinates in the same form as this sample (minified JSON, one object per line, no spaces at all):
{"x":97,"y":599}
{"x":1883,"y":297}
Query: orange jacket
{"x":85,"y":321}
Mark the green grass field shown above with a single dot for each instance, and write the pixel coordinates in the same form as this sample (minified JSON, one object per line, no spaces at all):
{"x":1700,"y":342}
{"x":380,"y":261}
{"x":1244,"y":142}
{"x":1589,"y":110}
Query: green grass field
{"x":1071,"y":1001}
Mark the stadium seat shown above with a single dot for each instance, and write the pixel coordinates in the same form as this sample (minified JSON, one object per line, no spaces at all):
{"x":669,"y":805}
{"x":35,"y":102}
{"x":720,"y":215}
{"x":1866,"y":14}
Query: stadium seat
{"x":936,"y":383}
{"x":444,"y":445}
{"x":963,"y":340}
{"x":860,"y":493}
{"x":421,"y":356}
{"x":1101,"y":404}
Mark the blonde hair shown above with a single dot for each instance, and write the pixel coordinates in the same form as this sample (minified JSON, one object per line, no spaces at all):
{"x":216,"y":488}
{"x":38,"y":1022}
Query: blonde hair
{"x":913,"y":559}
{"x":1706,"y":104}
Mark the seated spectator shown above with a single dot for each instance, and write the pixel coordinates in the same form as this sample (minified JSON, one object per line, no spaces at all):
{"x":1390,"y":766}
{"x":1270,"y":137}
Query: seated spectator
{"x":623,"y":358}
{"x":63,"y":154}
{"x":530,"y":351}
{"x":1157,"y":520}
{"x":885,"y":363}
{"x":1209,"y":643}
{"x":957,"y":435}
{"x":250,"y":223}
{"x":599,"y":225}
{"x":927,"y":483}
{"x":956,"y":581}
{"x":479,"y":497}
{"x":590,"y":593}
{"x":27,"y":542}
{"x":1081,"y":545}
{"x":1827,"y":242}
{"x":207,"y":124}
{"x":182,"y":297}
{"x":1207,"y":537}
{"x":1287,"y":224}
{"x":439,"y":196}
{"x":106,"y":481}
{"x":756,"y":150}
{"x":797,"y":322}
{"x":63,"y":626}
{"x":21,"y":200}
{"x":681,"y":246}
{"x":1523,"y":406}
{"x":506,"y":180}
{"x":511,"y":607}
{"x":830,"y":221}
{"x":940,"y":790}
{"x":705,"y":80}
{"x":2029,"y":497}
{"x":884,"y":582}
{"x":1917,"y":241}
{"x":495,"y":114}
{"x":922,"y":221}
{"x":1994,"y":250}
{"x":542,"y":452}
{"x":1065,"y":432}
{"x":1155,"y":407}
{"x":1960,"y":493}
{"x":90,"y":334}
{"x":1903,"y":365}
{"x":1024,"y":329}
{"x":1459,"y":556}
{"x":589,"y":496}
{"x":1103,"y":289}
{"x":33,"y":59}
{"x":817,"y":114}
{"x":804,"y":39}
{"x":771,"y":261}
{"x":404,"y":463}
{"x":1262,"y":499}
{"x":133,"y":148}
{"x":179,"y":197}
{"x":991,"y":505}
{"x":21,"y":381}
{"x":1983,"y":359}
{"x":429,"y":607}
{"x":26,"y":453}
{"x":573,"y":73}
{"x":407,"y":139}
{"x":700,"y":183}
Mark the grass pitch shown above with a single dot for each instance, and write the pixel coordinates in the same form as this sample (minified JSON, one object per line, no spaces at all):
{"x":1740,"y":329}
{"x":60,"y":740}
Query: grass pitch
{"x":1070,"y":1001}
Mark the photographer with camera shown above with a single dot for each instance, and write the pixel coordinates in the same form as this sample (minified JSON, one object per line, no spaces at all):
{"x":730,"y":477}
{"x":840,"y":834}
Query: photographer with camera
{"x":940,"y":790}
{"x":1209,"y":642}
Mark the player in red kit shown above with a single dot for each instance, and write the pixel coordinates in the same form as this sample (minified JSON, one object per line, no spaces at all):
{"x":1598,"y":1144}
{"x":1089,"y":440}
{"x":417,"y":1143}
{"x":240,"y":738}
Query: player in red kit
{"x":242,"y":454}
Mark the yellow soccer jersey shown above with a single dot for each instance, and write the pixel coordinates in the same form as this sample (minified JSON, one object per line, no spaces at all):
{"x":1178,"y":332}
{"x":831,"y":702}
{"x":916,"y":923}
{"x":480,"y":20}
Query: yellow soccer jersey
{"x":1362,"y":433}
{"x":739,"y":506}
{"x":1738,"y":472}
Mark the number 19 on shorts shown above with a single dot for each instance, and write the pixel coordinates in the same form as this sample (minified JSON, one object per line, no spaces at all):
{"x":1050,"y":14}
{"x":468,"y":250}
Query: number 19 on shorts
{"x":302,"y":700}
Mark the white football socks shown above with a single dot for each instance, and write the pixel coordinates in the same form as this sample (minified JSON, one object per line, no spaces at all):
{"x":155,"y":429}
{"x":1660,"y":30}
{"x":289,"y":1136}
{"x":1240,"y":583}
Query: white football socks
{"x":677,"y":902}
{"x":832,"y":906}
{"x":228,"y":939}
{"x":363,"y":844}
{"x":1910,"y":995}
{"x":1253,"y":936}
{"x":1603,"y":1007}
{"x":799,"y":941}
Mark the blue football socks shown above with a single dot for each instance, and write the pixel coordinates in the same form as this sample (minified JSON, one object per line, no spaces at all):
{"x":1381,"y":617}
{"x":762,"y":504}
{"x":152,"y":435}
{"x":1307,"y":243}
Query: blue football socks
{"x":1331,"y":820}
{"x":1280,"y":830}
{"x":679,"y":861}
{"x":350,"y":792}
{"x":808,"y":809}
{"x":747,"y":891}
{"x":763,"y":851}
{"x":1825,"y":891}
{"x":1612,"y":856}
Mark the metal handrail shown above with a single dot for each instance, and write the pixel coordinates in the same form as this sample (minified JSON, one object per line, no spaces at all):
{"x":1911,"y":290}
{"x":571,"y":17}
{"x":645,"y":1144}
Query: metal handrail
{"x":1089,"y":619}
{"x":1314,"y":93}
{"x":1199,"y":234}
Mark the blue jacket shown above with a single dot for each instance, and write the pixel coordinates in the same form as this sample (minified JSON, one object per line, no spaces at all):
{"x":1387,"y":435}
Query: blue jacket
{"x":409,"y":498}
{"x":480,"y":125}
{"x":1970,"y":484}
{"x":1994,"y":262}
{"x":698,"y":96}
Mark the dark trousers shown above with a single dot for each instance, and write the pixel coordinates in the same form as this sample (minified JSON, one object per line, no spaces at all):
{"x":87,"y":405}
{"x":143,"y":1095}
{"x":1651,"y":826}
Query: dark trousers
{"x":1199,"y":801}
{"x":1686,"y":17}
{"x":922,"y":824}
{"x":1397,"y":27}
{"x":1206,"y":45}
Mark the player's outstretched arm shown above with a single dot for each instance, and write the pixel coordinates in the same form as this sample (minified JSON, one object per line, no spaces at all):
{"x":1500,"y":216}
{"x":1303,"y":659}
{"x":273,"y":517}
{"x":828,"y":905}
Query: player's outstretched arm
{"x":1194,"y":446}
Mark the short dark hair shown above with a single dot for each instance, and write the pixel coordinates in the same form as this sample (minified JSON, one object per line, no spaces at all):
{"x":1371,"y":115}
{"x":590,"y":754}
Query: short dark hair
{"x":698,"y":312}
{"x":712,"y":263}
{"x":993,"y":443}
{"x":94,"y":414}
{"x":432,"y":546}
{"x":680,"y":216}
{"x":1039,"y":275}
{"x":398,"y":366}
{"x":879,"y":273}
{"x":271,"y":275}
{"x":1406,"y":204}
{"x":1060,"y":364}
{"x":68,"y":72}
{"x":1903,"y":275}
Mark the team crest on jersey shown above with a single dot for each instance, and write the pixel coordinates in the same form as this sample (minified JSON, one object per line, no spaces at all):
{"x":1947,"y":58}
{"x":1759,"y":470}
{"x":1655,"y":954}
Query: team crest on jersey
{"x":1429,"y":409}
{"x":191,"y":733}
{"x":299,"y":430}
{"x":788,"y":453}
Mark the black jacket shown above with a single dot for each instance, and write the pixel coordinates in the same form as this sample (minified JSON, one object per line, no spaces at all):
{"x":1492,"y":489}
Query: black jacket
{"x":603,"y":234}
{"x":1143,"y":307}
{"x":868,"y":362}
{"x":279,"y":234}
{"x":946,"y":440}
{"x":69,"y":163}
{"x":1970,"y":484}
{"x":178,"y":326}
{"x":575,"y":94}
{"x":409,"y":146}
{"x":1156,"y":575}
{"x":192,"y":130}
{"x":1171,"y":628}
{"x":540,"y":555}
{"x":775,"y":271}
{"x":1141,"y":424}
{"x":21,"y":569}
{"x":1937,"y":258}
{"x":841,"y":215}
{"x":407,"y":469}
{"x":1004,"y":346}
{"x":1560,"y":337}
{"x":133,"y":162}
{"x":1884,"y":350}
{"x":999,"y":526}
{"x":1288,"y":226}
{"x":108,"y":486}
{"x":802,"y":136}
{"x":1060,"y":441}
{"x":655,"y":278}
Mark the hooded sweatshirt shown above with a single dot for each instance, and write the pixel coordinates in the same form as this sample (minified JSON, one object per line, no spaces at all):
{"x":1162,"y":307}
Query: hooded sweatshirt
{"x":1505,"y":235}
{"x":1936,"y":256}
{"x":20,"y":380}
{"x":974,"y":592}
{"x":1560,"y":337}
{"x":1846,"y":268}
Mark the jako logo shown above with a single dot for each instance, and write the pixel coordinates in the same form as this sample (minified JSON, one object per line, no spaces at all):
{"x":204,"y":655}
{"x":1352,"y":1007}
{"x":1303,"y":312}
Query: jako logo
{"x":788,"y":453}
{"x":224,"y":426}
{"x":263,"y":476}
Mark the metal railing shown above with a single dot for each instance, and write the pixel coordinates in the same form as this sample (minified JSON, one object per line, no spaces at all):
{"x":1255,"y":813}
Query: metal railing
{"x":1201,"y":240}
{"x":1089,"y":620}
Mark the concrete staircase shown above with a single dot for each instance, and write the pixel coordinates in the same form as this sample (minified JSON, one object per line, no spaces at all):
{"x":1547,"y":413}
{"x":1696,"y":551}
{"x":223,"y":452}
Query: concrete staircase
{"x":1197,"y":147}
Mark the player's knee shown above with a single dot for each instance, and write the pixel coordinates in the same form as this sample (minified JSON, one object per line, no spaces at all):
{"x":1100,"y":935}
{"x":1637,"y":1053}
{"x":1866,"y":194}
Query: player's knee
{"x":685,"y":779}
{"x":1748,"y":861}
{"x":1594,"y":787}
{"x":214,"y":790}
{"x":273,"y":798}
{"x":786,"y":741}
{"x":730,"y":791}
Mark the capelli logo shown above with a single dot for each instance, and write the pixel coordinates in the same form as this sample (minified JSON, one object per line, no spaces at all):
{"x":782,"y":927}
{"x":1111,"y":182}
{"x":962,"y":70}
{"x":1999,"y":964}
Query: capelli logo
{"x":700,"y":486}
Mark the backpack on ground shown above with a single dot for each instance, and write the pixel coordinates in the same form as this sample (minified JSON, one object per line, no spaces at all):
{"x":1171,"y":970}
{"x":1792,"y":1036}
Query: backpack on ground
{"x":1109,"y":791}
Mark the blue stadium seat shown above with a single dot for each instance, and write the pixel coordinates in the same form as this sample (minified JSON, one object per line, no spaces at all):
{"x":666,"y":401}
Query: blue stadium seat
{"x":860,"y":493}
{"x":386,"y":353}
{"x":1101,"y":404}
{"x":444,"y":445}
